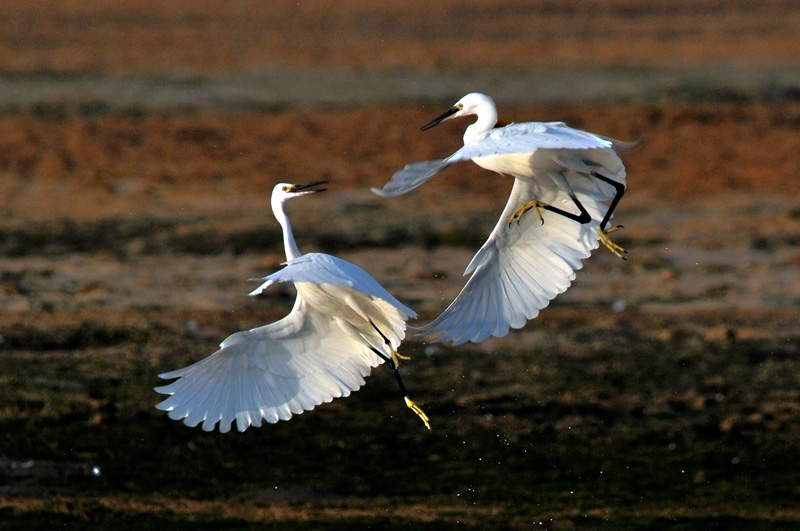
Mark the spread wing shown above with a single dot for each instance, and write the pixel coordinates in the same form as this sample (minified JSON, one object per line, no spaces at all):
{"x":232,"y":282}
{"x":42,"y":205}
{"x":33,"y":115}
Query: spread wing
{"x":519,"y":149}
{"x":520,"y":268}
{"x":269,"y":373}
{"x":528,"y":137}
{"x":411,"y":176}
{"x":320,"y":351}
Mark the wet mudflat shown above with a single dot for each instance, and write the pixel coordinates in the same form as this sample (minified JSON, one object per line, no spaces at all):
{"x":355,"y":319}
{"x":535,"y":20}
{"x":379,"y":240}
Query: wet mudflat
{"x":593,"y":419}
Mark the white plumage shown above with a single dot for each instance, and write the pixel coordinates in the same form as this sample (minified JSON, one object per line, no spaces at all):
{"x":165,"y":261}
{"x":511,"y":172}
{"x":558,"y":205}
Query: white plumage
{"x":565,"y":174}
{"x":342,"y":324}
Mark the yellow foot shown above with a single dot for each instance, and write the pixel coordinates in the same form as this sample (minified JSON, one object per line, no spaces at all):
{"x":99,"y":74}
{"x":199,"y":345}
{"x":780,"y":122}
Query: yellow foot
{"x":416,"y":409}
{"x":613,"y":247}
{"x":397,"y":357}
{"x":518,"y":213}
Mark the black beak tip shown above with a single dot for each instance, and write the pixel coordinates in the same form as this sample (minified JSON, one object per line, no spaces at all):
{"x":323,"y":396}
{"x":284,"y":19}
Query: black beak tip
{"x":439,"y":119}
{"x":307,"y":186}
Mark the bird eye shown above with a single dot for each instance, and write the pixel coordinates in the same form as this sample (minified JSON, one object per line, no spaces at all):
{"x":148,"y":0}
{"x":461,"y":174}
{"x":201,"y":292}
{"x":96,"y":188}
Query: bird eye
{"x":460,"y":106}
{"x":287,"y":188}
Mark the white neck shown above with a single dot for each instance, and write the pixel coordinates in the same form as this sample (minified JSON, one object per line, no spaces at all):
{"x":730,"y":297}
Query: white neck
{"x":289,"y":244}
{"x":487,"y":118}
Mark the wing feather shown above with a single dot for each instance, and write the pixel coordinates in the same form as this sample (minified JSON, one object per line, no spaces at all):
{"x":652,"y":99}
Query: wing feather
{"x":411,"y":176}
{"x":528,"y":137}
{"x":519,"y":269}
{"x":526,"y":149}
{"x":514,"y":283}
{"x":286,"y":379}
{"x":309,"y":357}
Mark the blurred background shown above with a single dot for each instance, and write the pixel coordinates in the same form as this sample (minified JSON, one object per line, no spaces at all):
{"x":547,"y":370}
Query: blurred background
{"x":139,"y":143}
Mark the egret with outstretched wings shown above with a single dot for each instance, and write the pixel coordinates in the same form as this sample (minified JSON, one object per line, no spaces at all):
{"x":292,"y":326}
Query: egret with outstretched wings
{"x":563,"y":174}
{"x":343,"y":324}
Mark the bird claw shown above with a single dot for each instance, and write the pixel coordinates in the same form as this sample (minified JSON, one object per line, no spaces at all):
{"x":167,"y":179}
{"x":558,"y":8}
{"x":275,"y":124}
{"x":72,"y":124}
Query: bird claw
{"x":613,"y":247}
{"x":416,"y":409}
{"x":518,"y":213}
{"x":397,"y":357}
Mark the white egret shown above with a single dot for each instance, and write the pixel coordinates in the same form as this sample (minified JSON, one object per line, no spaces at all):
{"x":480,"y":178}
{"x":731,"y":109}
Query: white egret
{"x":342,"y":324}
{"x":565,"y":175}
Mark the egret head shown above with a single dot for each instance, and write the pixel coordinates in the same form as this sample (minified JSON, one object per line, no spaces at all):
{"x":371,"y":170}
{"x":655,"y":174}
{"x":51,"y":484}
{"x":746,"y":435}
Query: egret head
{"x":285,"y":191}
{"x":470,"y":104}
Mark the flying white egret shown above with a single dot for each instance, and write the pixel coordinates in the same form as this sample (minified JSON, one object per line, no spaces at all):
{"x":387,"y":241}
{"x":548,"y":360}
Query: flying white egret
{"x":342,"y":324}
{"x":565,"y":175}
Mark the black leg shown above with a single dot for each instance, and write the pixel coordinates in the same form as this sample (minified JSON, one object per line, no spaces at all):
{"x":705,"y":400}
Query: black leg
{"x":392,"y":366}
{"x":385,"y":339}
{"x":582,"y":218}
{"x":396,"y":356}
{"x":619,"y":189}
{"x":410,"y":403}
{"x":389,"y":359}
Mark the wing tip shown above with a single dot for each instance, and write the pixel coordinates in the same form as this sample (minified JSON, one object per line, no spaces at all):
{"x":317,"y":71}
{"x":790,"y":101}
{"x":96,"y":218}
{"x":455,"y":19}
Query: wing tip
{"x":624,"y":147}
{"x":378,"y":191}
